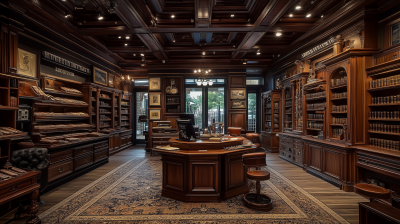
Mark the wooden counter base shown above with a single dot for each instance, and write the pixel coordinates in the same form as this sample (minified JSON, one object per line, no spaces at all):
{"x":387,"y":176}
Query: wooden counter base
{"x":205,"y":175}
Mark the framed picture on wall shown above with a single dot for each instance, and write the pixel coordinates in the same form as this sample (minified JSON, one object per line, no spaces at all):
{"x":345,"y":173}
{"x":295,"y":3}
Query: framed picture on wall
{"x":154,"y":84}
{"x":238,"y":104}
{"x":395,"y":34}
{"x":238,"y":94}
{"x":155,"y":99}
{"x":111,"y":80}
{"x":99,"y":76}
{"x":26,"y":63}
{"x":154,"y":114}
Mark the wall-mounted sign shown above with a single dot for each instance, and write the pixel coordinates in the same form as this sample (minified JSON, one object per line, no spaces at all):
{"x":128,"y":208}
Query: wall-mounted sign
{"x":65,"y":72}
{"x":318,"y":47}
{"x":59,"y":60}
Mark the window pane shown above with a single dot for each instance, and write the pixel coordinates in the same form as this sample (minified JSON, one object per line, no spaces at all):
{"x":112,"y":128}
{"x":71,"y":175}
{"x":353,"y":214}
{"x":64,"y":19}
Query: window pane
{"x":194,"y":98}
{"x":141,"y":109}
{"x":215,"y":104}
{"x":141,"y":82}
{"x":251,"y":111}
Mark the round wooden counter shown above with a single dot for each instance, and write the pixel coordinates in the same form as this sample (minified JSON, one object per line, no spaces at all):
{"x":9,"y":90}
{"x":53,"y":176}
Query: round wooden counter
{"x":208,"y":174}
{"x":204,"y":144}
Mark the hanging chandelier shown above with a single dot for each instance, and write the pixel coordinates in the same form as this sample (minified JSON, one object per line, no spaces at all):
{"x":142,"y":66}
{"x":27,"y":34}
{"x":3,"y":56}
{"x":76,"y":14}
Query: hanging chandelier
{"x":203,"y":72}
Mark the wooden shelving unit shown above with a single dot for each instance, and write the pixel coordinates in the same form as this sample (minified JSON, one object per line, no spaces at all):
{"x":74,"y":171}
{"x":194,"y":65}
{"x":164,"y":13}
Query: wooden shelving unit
{"x":315,"y":104}
{"x":272,"y":110}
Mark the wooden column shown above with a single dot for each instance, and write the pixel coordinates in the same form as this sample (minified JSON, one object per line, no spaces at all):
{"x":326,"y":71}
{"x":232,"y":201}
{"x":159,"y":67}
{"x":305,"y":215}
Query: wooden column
{"x":9,"y":49}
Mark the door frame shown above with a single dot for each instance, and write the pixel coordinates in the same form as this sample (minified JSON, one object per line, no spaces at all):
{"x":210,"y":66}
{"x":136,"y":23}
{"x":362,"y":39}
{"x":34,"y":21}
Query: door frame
{"x":133,"y":109}
{"x":257,"y":89}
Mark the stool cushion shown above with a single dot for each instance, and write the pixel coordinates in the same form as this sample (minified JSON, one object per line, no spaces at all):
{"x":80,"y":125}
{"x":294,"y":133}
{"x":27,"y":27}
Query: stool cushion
{"x":258,"y":175}
{"x":371,"y":191}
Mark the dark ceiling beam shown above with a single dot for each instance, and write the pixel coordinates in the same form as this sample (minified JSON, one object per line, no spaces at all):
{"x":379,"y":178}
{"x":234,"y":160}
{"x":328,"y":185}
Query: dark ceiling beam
{"x":128,"y":49}
{"x":99,"y":31}
{"x":219,"y":28}
{"x":274,"y":9}
{"x":126,"y":11}
{"x":203,"y":12}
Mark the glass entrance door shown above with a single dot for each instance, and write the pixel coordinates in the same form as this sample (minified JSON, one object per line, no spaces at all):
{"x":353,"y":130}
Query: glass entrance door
{"x":194,"y":104}
{"x":141,"y":110}
{"x":215,"y":104}
{"x":207,"y":104}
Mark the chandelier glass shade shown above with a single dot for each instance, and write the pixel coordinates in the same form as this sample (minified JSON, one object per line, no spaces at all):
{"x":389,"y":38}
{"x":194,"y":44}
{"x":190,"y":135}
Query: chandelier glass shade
{"x":203,"y":81}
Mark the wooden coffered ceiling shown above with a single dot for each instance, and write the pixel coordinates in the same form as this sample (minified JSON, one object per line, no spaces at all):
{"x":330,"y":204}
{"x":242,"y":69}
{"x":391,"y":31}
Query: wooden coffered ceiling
{"x":182,"y":34}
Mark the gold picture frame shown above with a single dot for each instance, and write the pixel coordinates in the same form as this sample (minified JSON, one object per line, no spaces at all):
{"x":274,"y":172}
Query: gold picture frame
{"x":238,"y":94}
{"x":100,"y":76}
{"x":154,"y":114}
{"x":155,"y":99}
{"x":154,"y":84}
{"x":239,"y":104}
{"x":26,"y":63}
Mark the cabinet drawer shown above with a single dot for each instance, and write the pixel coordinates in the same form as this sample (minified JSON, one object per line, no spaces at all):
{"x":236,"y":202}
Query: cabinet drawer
{"x":60,"y":169}
{"x":100,"y":155}
{"x":83,"y":150}
{"x":166,"y":139}
{"x":101,"y":149}
{"x":100,"y":145}
{"x":83,"y":161}
{"x":14,"y":187}
{"x":60,"y":156}
{"x":160,"y":143}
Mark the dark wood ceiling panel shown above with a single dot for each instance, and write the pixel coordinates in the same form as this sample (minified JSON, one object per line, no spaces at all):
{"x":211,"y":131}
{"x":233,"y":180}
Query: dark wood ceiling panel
{"x":171,"y":33}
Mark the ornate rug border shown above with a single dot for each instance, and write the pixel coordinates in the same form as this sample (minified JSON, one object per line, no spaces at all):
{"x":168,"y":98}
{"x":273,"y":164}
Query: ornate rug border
{"x":164,"y":217}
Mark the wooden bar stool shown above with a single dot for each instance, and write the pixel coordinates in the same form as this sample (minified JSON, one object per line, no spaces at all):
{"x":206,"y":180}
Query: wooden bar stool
{"x":257,"y":200}
{"x":372,"y":191}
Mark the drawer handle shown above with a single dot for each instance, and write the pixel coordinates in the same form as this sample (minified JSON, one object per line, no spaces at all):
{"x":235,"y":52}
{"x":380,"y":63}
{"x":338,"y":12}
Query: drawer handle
{"x":61,"y":169}
{"x":13,"y":188}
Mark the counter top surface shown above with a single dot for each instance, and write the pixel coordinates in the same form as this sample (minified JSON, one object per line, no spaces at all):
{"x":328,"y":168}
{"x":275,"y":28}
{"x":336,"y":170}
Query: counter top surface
{"x":205,"y":144}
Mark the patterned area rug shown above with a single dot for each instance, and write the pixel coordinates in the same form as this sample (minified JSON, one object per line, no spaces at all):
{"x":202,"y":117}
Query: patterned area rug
{"x":131,"y":193}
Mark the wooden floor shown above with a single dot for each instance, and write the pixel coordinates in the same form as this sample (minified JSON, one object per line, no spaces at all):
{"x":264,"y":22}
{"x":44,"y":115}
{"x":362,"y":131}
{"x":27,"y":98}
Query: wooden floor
{"x":343,"y":203}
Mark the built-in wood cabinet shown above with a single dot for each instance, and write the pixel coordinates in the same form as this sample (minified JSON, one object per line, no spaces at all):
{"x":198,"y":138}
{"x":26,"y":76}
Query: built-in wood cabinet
{"x":272,"y":117}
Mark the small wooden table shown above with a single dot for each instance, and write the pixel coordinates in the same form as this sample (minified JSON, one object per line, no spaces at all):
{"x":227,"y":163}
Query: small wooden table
{"x":203,"y":171}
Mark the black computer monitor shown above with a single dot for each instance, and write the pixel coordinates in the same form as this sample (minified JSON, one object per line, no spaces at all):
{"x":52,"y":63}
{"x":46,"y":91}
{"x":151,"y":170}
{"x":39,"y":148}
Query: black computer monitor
{"x":186,"y":131}
{"x":186,"y":117}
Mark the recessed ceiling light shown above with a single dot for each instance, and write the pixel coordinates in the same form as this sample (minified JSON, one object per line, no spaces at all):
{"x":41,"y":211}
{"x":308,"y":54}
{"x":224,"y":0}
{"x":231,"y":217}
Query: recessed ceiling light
{"x":173,"y":41}
{"x":172,"y":16}
{"x":232,"y":15}
{"x":258,"y":53}
{"x":291,"y":15}
{"x":213,"y":52}
{"x":278,"y":34}
{"x":127,"y":37}
{"x":298,"y":7}
{"x":142,"y":55}
{"x":100,"y":17}
{"x":322,"y":16}
{"x":126,"y":44}
{"x":134,"y":54}
{"x":308,"y":15}
{"x":119,"y":37}
{"x":66,"y":16}
{"x":204,"y":53}
{"x":244,"y":62}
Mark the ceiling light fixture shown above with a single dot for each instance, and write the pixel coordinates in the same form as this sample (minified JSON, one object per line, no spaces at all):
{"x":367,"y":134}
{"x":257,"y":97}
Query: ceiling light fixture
{"x":322,"y":16}
{"x":173,"y":41}
{"x":291,"y":15}
{"x":278,"y":34}
{"x":213,"y":52}
{"x":298,"y":7}
{"x":100,"y":17}
{"x":66,"y":16}
{"x":134,"y":54}
{"x":127,"y":37}
{"x":232,"y":15}
{"x":172,"y":16}
{"x":258,"y":52}
{"x":203,"y":72}
{"x":308,"y":15}
{"x":119,"y":37}
{"x":244,"y":62}
{"x":142,"y":55}
{"x":204,"y":53}
{"x":126,"y":44}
